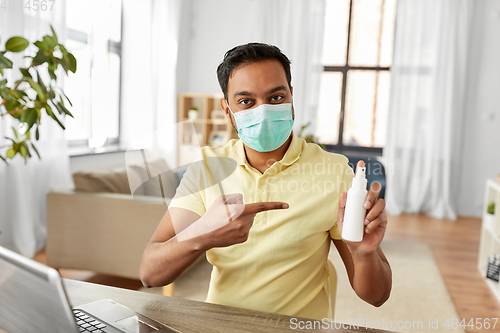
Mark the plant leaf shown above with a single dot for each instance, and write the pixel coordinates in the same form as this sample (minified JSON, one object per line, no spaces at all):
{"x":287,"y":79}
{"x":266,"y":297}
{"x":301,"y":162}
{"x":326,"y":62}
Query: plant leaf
{"x":16,"y":44}
{"x":52,"y":74}
{"x":10,"y":153}
{"x":54,"y":33}
{"x":15,"y":133}
{"x":37,"y":134}
{"x":25,"y":72}
{"x":24,"y":96}
{"x":3,"y":159}
{"x":36,"y":150}
{"x":40,"y":58}
{"x":70,"y":104}
{"x":71,"y":62}
{"x":36,"y":87}
{"x":62,"y":109}
{"x":40,"y":82}
{"x":51,"y":113}
{"x":41,"y":45}
{"x":12,"y":105}
{"x":14,"y":94}
{"x":50,"y":41}
{"x":64,"y":64}
{"x":5,"y":62}
{"x":23,"y":151}
{"x":25,"y":145}
{"x":52,"y":94}
{"x":29,"y":117}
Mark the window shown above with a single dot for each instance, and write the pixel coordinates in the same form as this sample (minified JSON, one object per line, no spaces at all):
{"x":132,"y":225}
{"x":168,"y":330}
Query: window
{"x":357,"y":54}
{"x":94,"y":37}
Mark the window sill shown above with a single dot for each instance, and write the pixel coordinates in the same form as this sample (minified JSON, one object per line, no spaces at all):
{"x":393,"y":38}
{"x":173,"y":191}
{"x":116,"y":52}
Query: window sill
{"x":355,"y":151}
{"x":85,"y":150}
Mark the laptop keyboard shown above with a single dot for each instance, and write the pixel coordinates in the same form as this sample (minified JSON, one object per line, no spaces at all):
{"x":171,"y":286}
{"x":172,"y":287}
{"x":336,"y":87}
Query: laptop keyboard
{"x":86,"y":323}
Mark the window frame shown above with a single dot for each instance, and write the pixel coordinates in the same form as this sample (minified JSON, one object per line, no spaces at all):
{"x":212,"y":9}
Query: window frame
{"x":344,"y":69}
{"x":113,"y":47}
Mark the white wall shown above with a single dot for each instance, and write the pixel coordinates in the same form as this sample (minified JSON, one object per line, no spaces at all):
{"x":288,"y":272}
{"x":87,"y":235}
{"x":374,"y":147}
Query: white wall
{"x":210,"y":28}
{"x":481,"y":140}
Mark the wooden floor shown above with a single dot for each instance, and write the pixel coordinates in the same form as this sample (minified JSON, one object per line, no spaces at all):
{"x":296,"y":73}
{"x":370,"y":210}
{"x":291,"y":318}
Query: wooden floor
{"x":455,"y":247}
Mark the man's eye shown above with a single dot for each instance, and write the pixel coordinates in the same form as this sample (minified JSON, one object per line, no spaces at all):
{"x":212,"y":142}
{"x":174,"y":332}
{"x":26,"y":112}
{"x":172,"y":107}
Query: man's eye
{"x":245,"y":101}
{"x":276,"y":98}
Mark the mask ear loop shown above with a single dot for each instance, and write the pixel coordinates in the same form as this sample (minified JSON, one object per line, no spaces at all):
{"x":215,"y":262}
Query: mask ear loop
{"x":234,"y":127}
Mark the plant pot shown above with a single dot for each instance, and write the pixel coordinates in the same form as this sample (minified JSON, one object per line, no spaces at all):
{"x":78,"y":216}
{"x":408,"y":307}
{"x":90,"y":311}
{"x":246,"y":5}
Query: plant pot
{"x":192,"y":114}
{"x":489,"y":222}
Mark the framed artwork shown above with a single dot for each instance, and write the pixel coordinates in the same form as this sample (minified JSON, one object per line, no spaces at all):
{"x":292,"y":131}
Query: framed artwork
{"x":218,"y":138}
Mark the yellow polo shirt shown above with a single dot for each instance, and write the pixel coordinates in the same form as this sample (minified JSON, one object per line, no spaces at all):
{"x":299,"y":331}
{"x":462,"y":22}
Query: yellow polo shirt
{"x":282,"y":267}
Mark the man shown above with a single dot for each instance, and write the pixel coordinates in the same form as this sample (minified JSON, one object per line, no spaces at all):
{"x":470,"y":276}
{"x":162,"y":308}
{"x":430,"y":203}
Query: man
{"x":268,"y":238}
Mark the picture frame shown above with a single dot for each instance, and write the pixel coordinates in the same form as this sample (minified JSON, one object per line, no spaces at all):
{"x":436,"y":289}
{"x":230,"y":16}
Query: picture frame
{"x":218,"y":116}
{"x":218,"y":138}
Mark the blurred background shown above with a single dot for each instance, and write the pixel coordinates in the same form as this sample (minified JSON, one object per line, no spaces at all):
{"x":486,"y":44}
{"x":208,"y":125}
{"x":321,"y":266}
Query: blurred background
{"x":411,"y":87}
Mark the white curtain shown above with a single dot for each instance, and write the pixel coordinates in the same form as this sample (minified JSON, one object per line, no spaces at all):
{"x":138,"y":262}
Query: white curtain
{"x":428,"y":77}
{"x":149,"y":55}
{"x":23,"y":187}
{"x":296,"y":27}
{"x":165,"y":44}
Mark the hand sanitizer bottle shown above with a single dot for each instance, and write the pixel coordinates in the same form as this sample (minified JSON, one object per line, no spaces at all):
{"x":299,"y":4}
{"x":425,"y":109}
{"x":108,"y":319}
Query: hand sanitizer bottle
{"x":354,"y":215}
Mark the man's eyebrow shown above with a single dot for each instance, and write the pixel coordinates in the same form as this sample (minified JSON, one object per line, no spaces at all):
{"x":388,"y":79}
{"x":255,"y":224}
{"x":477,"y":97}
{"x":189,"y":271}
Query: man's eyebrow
{"x":242,"y":93}
{"x":275,"y":89}
{"x":247,"y":93}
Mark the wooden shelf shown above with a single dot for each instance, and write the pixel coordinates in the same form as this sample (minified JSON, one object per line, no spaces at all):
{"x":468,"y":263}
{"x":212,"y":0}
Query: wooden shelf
{"x":203,"y":129}
{"x":490,"y":234}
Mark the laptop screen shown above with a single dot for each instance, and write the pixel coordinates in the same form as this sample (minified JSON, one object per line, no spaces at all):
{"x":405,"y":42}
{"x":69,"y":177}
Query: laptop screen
{"x":28,"y":302}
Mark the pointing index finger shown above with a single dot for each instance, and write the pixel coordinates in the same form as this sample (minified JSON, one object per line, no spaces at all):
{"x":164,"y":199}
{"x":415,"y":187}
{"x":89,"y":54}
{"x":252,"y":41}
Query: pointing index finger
{"x":258,"y":207}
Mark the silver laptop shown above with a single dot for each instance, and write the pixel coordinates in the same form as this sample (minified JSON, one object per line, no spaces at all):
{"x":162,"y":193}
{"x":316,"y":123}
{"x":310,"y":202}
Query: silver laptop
{"x":32,"y":299}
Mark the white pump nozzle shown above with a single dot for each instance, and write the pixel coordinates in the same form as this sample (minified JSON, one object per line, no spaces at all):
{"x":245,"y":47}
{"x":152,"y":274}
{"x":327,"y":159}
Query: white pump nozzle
{"x":360,"y":182}
{"x":360,"y":173}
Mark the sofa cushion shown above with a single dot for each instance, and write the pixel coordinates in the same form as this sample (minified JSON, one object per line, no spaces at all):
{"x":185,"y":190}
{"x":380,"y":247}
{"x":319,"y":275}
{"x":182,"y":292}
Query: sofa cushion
{"x":118,"y":181}
{"x":112,"y":180}
{"x":151,"y":185}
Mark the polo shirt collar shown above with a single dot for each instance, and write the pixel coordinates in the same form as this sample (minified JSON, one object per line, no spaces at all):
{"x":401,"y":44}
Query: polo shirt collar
{"x":291,"y":156}
{"x":294,"y":150}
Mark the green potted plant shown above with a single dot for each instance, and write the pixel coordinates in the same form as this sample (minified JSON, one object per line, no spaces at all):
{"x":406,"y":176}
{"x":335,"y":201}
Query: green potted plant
{"x":34,"y":91}
{"x":193,"y":113}
{"x":489,"y":217}
{"x":309,"y":137}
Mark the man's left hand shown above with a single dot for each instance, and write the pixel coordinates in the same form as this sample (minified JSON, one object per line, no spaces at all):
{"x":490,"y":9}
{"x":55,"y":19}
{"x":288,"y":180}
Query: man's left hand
{"x":375,"y":221}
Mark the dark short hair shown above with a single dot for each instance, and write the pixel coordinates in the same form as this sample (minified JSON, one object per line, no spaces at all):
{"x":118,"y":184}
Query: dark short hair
{"x":247,"y":54}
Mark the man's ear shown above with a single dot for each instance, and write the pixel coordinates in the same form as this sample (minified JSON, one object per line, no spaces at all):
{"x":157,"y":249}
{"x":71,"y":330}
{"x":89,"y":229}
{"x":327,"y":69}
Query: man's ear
{"x":291,"y":91}
{"x":223,"y":105}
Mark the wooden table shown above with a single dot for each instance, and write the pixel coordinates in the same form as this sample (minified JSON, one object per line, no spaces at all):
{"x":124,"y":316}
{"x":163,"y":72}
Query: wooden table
{"x":191,"y":316}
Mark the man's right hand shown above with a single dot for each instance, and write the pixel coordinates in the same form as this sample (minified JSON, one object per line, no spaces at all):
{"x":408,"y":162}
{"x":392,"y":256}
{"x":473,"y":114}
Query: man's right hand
{"x":228,"y":221}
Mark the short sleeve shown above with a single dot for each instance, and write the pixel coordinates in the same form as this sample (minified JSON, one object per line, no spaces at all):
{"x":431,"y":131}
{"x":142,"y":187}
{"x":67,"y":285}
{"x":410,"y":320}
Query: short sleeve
{"x":189,"y":193}
{"x":344,"y":185}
